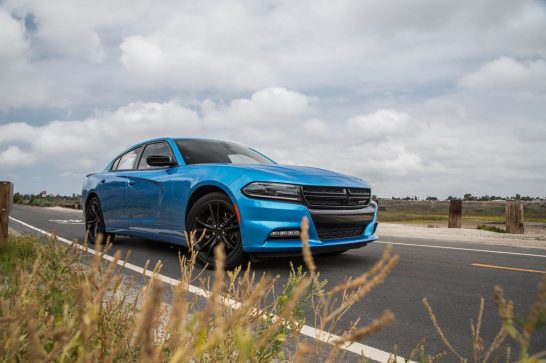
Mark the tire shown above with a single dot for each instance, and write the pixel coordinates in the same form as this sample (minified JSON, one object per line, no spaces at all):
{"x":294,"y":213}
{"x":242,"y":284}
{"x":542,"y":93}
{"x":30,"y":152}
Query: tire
{"x":215,"y":216}
{"x":94,"y":223}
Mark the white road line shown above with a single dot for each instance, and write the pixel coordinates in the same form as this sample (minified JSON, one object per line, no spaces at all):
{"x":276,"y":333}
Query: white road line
{"x":67,"y":221}
{"x":320,"y":335}
{"x":463,"y":249}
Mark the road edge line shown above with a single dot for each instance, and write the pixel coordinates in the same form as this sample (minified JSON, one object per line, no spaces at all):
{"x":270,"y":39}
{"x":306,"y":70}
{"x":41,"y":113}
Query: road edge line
{"x":320,"y":335}
{"x":462,"y":249}
{"x":508,"y":268}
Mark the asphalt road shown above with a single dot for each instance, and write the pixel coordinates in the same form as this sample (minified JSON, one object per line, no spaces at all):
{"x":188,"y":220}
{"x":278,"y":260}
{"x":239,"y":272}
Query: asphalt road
{"x":446,"y":276}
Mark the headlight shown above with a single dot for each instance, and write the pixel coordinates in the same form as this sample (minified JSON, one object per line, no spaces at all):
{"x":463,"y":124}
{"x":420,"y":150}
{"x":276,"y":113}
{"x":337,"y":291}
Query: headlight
{"x":273,"y":191}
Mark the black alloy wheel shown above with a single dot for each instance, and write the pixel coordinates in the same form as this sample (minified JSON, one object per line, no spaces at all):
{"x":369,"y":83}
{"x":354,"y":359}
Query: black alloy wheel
{"x":215,"y":222}
{"x":94,"y":223}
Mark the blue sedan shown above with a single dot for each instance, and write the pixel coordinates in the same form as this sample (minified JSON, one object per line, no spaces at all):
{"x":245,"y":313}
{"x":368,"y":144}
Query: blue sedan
{"x":228,"y":194}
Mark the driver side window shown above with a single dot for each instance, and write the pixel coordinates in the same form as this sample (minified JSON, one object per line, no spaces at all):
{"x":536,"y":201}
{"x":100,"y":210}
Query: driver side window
{"x":155,"y":149}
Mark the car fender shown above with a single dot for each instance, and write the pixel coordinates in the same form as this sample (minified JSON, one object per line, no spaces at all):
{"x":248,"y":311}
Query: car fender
{"x":212,"y":183}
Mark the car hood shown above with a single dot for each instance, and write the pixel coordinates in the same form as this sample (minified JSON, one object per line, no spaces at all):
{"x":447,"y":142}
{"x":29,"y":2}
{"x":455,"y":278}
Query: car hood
{"x":294,"y":174}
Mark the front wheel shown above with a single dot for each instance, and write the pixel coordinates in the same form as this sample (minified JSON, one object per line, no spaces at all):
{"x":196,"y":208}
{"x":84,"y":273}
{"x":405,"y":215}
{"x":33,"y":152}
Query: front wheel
{"x":94,"y":223}
{"x":215,"y":221}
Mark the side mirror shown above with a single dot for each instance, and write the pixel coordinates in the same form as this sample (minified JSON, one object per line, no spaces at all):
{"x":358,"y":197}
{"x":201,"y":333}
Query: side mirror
{"x":160,"y":161}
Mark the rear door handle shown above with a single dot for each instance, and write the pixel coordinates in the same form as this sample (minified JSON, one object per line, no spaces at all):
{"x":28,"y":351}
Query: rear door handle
{"x":103,"y":180}
{"x":131,"y":182}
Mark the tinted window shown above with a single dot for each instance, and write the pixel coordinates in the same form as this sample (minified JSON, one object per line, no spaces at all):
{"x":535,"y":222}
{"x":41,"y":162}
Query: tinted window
{"x":207,"y":151}
{"x":128,"y":160}
{"x":157,"y":149}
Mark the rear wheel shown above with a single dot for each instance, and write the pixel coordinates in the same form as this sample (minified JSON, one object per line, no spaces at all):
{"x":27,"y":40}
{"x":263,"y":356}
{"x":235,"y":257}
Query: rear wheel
{"x":214,"y":219}
{"x":94,"y":223}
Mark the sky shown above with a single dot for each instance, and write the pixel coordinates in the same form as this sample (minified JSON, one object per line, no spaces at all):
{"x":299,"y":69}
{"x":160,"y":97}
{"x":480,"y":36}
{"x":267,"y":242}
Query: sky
{"x":418,"y":97}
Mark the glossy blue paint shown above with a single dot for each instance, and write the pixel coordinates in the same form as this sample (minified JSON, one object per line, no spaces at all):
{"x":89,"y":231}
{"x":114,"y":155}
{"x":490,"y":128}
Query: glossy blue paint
{"x":154,"y":203}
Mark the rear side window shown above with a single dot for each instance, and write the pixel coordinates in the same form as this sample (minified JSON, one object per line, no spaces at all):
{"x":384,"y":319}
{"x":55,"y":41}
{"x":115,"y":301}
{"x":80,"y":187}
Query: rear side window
{"x":115,"y":164}
{"x":156,"y":149}
{"x":128,"y":160}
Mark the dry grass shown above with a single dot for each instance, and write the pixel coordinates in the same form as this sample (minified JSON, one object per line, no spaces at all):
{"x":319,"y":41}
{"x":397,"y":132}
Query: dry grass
{"x":521,"y":332}
{"x":60,"y":309}
{"x":59,"y":304}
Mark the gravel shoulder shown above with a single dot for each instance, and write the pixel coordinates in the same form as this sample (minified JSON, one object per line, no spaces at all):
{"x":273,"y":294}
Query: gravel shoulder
{"x":532,"y":239}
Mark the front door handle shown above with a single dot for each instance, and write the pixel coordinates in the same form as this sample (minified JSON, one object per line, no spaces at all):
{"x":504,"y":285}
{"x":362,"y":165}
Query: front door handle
{"x":131,"y":182}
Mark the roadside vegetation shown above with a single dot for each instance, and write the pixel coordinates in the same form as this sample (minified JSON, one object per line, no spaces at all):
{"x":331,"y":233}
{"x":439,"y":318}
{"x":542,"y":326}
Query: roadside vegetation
{"x":58,"y":303}
{"x":490,"y":228}
{"x":479,"y":212}
{"x":48,"y":200}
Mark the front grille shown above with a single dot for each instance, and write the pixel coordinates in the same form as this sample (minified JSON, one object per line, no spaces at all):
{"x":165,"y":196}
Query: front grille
{"x":336,"y":197}
{"x":329,"y":232}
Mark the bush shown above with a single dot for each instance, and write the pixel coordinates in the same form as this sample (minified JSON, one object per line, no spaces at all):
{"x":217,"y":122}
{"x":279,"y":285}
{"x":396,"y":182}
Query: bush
{"x":487,"y":227}
{"x":40,"y":203}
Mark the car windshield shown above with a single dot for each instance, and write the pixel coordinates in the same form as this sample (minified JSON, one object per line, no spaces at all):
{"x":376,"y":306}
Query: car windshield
{"x":208,"y":151}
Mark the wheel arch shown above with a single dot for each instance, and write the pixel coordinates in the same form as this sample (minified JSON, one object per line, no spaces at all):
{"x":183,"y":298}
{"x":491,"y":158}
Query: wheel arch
{"x":202,"y":190}
{"x":90,"y":195}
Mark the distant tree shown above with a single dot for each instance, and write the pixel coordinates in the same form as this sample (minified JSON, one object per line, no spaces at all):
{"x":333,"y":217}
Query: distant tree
{"x":469,"y":196}
{"x":432,"y":198}
{"x":17,"y":198}
{"x":407,"y":198}
{"x":518,"y":197}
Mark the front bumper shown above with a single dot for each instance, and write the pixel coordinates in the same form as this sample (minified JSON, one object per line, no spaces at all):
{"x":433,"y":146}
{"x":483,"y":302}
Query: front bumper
{"x":260,"y":217}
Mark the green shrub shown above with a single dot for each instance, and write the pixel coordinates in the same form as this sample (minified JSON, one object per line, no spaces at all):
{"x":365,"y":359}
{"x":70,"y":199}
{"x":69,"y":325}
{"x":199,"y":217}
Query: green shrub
{"x":487,"y":227}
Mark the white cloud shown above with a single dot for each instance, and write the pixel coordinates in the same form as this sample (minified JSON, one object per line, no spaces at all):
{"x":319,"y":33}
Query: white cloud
{"x":19,"y":84}
{"x":398,"y":152}
{"x":380,"y":124}
{"x":507,"y":74}
{"x":244,"y":47}
{"x":65,"y":28}
{"x":140,"y":55}
{"x":13,"y":156}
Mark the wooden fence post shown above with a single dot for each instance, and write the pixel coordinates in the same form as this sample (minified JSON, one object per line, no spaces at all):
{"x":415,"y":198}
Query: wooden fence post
{"x":455,"y":214}
{"x":514,"y":217}
{"x":6,"y":197}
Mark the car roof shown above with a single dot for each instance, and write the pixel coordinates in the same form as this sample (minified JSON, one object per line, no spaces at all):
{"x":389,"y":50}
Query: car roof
{"x":176,"y":138}
{"x":157,"y":139}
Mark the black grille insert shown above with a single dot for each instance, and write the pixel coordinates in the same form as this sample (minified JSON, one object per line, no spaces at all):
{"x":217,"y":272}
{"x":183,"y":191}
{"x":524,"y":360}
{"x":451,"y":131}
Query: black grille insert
{"x":336,"y":197}
{"x":329,"y":232}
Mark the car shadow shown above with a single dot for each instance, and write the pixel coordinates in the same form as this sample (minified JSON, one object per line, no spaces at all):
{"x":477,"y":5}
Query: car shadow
{"x":168,"y":253}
